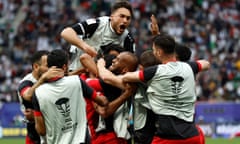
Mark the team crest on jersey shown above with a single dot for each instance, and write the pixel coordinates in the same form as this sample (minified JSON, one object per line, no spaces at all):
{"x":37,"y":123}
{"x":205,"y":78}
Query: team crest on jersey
{"x":176,"y":84}
{"x":63,"y":107}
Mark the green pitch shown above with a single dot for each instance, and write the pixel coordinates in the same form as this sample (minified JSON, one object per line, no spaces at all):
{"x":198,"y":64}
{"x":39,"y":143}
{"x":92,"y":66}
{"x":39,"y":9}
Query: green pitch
{"x":208,"y":141}
{"x":12,"y":141}
{"x":222,"y":141}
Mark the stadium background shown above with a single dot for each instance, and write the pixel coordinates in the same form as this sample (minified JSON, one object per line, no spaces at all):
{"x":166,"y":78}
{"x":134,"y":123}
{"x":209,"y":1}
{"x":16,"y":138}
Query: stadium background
{"x":211,"y":28}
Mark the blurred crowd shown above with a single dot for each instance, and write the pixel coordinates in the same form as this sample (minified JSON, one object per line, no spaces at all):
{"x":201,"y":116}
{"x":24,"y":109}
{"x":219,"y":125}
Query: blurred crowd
{"x":211,"y":28}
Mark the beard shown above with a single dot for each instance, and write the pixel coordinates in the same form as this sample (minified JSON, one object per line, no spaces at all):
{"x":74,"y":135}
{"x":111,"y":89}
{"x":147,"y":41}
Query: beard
{"x":114,"y":71}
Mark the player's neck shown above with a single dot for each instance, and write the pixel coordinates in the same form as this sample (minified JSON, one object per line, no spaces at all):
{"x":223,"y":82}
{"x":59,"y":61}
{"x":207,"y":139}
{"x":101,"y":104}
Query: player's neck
{"x":169,"y":58}
{"x":35,"y":75}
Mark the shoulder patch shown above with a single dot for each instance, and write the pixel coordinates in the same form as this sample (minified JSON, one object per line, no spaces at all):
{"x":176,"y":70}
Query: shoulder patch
{"x":91,"y":21}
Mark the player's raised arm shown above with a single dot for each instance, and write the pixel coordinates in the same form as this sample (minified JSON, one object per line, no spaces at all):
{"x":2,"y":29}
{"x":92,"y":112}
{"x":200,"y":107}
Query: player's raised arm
{"x":154,"y":26}
{"x":70,"y":35}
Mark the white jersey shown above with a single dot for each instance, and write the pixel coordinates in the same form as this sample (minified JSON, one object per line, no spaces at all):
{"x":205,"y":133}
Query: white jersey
{"x":102,"y":35}
{"x":22,"y":84}
{"x":141,"y":105}
{"x":171,"y":90}
{"x":64,"y":110}
{"x":28,"y":81}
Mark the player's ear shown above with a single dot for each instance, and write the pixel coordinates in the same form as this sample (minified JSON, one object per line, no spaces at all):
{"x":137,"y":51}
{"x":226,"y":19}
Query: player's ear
{"x":111,"y":16}
{"x":160,"y":52}
{"x":65,"y":68}
{"x":125,"y":70}
{"x":35,"y":66}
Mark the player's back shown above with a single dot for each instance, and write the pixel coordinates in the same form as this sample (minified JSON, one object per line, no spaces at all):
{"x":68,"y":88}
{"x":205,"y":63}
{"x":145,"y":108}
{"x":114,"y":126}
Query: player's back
{"x":63,"y":107}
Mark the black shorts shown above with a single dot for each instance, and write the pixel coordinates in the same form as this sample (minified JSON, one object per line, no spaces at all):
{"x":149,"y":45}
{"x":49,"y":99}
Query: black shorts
{"x":32,"y":133}
{"x":170,"y":127}
{"x":145,"y":135}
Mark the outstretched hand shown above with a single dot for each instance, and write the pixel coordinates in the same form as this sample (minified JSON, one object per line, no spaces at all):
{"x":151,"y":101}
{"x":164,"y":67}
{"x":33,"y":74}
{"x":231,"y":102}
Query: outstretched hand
{"x":154,"y":26}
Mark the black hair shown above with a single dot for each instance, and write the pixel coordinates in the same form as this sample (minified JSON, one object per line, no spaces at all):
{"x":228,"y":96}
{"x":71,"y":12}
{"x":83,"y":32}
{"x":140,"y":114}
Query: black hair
{"x":122,"y":4}
{"x":165,"y":42}
{"x":183,"y":53}
{"x":38,"y":55}
{"x":58,"y":58}
{"x":106,"y":49}
{"x":104,"y":53}
{"x":108,"y":59}
{"x":148,"y":59}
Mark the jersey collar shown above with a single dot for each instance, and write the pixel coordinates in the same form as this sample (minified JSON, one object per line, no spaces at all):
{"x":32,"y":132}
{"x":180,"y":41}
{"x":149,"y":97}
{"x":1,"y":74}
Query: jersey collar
{"x":54,"y":79}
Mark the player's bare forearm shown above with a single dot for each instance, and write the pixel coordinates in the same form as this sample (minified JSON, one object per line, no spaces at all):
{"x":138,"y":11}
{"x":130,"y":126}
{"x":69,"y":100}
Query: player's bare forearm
{"x":77,"y":72}
{"x":52,"y":72}
{"x":88,"y":62}
{"x":204,"y":64}
{"x":40,"y":125}
{"x":71,"y":36}
{"x":101,"y":100}
{"x":131,"y":77}
{"x":115,"y":104}
{"x":107,"y":76}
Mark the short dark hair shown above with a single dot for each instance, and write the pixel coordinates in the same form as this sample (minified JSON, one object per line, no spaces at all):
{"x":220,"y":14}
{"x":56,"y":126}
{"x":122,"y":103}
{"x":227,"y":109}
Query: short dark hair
{"x":183,"y":53}
{"x":108,"y":59}
{"x":122,"y":4}
{"x":38,"y":55}
{"x":165,"y":42}
{"x":58,"y":58}
{"x":148,"y":59}
{"x":111,"y":46}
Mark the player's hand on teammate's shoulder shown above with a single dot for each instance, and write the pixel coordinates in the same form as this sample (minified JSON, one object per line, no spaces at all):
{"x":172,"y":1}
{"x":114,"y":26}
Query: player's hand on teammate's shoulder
{"x":52,"y":73}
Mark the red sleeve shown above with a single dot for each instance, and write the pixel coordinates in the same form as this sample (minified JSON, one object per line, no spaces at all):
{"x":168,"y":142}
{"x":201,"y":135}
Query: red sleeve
{"x":37,"y":113}
{"x":141,"y":75}
{"x":199,"y":66}
{"x":23,"y":90}
{"x":83,"y":76}
{"x":95,"y":84}
{"x":94,"y":94}
{"x":23,"y":86}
